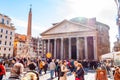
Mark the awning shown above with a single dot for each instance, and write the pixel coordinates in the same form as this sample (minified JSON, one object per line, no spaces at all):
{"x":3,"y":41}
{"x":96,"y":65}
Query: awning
{"x":112,"y":55}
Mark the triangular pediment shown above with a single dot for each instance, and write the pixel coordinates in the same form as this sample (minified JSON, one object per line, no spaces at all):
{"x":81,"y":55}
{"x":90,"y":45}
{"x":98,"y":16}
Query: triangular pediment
{"x":67,"y":27}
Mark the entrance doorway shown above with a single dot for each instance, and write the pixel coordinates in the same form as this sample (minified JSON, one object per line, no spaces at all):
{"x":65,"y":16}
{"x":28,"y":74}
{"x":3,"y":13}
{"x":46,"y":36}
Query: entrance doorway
{"x":73,"y":48}
{"x":73,"y":52}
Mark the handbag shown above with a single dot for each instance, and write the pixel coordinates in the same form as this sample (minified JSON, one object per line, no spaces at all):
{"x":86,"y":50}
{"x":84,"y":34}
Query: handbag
{"x":62,"y":74}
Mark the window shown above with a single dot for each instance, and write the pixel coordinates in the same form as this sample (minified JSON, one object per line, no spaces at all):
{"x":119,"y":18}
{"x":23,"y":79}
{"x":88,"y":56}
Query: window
{"x":2,"y":21}
{"x":7,"y":22}
{"x":0,"y":42}
{"x":4,"y":49}
{"x":5,"y":37}
{"x":10,"y":33}
{"x":10,"y":37}
{"x":1,"y":30}
{"x":6,"y":32}
{"x":10,"y":43}
{"x":0,"y":36}
{"x":9,"y":49}
{"x":5,"y":42}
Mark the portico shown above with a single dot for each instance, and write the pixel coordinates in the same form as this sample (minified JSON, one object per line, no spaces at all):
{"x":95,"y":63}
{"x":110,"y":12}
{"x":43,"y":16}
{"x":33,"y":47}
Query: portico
{"x":72,"y":47}
{"x":68,"y":40}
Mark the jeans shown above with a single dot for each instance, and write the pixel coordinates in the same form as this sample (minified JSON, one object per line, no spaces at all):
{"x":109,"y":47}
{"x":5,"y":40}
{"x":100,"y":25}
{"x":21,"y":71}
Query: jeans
{"x":51,"y":73}
{"x":1,"y":76}
{"x":40,"y":71}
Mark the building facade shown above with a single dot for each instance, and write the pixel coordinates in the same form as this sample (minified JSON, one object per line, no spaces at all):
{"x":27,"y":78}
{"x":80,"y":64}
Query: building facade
{"x":20,"y":46}
{"x":78,"y":38}
{"x":37,"y":46}
{"x":7,"y":31}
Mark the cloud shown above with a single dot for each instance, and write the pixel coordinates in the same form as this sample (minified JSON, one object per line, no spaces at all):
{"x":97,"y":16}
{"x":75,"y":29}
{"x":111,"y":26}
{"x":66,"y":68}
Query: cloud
{"x":104,"y":10}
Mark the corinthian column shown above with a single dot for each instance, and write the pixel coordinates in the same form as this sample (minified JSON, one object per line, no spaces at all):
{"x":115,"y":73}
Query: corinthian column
{"x":86,"y":48}
{"x":54,"y":48}
{"x":69,"y":48}
{"x":48,"y":46}
{"x":77,"y":44}
{"x":95,"y":47}
{"x":61,"y":48}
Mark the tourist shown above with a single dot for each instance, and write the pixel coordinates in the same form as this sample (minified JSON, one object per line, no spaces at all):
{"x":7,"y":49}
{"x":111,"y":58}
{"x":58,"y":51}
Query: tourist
{"x":56,"y":63}
{"x":117,"y":74}
{"x":2,"y":70}
{"x":101,"y":73}
{"x":79,"y":74}
{"x":71,"y":65}
{"x":31,"y":73}
{"x":64,"y":70}
{"x":52,"y":68}
{"x":41,"y":65}
{"x":85,"y":65}
{"x":58,"y":69}
{"x":75,"y":65}
{"x":108,"y":65}
{"x":45,"y":67}
{"x":16,"y":70}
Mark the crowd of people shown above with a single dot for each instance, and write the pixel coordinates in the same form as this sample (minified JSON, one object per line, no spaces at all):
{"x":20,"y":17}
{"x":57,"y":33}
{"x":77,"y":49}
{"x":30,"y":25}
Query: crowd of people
{"x":32,"y":69}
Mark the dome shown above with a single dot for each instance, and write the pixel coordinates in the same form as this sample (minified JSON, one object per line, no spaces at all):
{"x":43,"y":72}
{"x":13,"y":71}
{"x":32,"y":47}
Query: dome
{"x":81,"y":20}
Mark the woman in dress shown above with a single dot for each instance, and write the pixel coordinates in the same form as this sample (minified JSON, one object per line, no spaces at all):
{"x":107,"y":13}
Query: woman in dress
{"x":64,"y":70}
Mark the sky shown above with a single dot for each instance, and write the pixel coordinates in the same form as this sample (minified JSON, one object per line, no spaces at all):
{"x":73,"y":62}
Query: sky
{"x":46,"y":12}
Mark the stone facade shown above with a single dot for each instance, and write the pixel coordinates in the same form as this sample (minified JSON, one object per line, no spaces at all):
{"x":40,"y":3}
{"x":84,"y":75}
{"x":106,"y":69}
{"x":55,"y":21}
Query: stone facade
{"x":19,"y":44}
{"x":78,"y":38}
{"x":20,"y":48}
{"x":7,"y":31}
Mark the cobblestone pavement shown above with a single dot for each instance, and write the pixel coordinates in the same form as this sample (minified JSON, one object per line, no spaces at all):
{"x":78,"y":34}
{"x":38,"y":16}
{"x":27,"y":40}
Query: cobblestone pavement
{"x":89,"y":76}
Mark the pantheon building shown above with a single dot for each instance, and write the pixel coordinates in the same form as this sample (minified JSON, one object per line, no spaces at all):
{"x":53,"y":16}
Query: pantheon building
{"x":78,"y":38}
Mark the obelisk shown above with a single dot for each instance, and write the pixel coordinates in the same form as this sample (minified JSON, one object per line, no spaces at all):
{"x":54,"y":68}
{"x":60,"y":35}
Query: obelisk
{"x":29,"y":35}
{"x":29,"y":32}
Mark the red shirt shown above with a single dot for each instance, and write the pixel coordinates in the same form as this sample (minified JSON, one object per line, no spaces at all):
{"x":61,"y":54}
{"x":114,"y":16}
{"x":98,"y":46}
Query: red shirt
{"x":2,"y":70}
